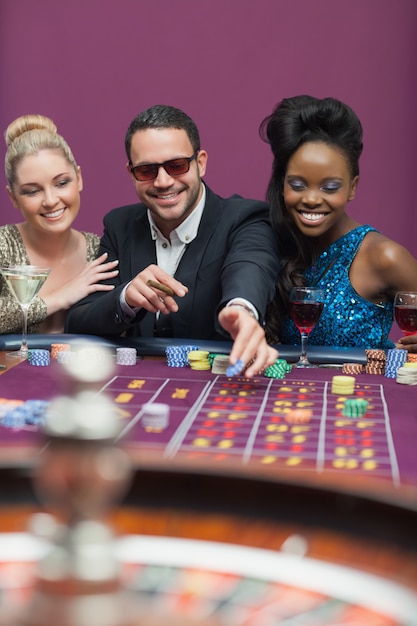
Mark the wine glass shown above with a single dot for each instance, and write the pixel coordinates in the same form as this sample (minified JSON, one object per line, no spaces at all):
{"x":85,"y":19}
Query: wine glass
{"x":405,"y":311}
{"x":306,"y":306}
{"x":24,"y":282}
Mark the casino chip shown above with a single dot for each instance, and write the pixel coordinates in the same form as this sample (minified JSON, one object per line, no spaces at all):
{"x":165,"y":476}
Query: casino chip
{"x":410,"y":365}
{"x":65,"y":357}
{"x":343,"y":385}
{"x":375,"y":361}
{"x":407,"y":374}
{"x":57,"y":348}
{"x":21,"y":414}
{"x":155,"y":417}
{"x":7,"y":405}
{"x":352,"y":368}
{"x":199,"y":359}
{"x":355,"y":407}
{"x":126,"y":356}
{"x":278,"y":369}
{"x":178,"y":356}
{"x":219,"y":363}
{"x":39,"y":357}
{"x":395,"y":359}
{"x":235,"y":369}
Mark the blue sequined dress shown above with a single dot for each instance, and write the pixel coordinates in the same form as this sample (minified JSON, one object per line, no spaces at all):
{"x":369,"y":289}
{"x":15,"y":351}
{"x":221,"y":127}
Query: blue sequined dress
{"x":347,"y":319}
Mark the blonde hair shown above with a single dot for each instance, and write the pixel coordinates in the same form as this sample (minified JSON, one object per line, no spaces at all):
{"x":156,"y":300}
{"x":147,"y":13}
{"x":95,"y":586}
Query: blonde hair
{"x":28,"y":135}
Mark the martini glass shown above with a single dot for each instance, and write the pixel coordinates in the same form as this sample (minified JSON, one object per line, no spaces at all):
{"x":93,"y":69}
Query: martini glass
{"x":405,"y":311}
{"x":306,"y":305}
{"x":24,"y":282}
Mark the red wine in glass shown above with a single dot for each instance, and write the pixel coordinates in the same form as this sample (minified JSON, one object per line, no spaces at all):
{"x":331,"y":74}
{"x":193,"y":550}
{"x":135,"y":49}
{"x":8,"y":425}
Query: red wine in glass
{"x":305,"y":315}
{"x":306,"y":306}
{"x":405,"y":311}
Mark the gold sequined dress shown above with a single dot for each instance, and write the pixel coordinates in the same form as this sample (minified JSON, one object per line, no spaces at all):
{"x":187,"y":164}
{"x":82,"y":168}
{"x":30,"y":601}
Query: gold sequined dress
{"x":13,"y":252}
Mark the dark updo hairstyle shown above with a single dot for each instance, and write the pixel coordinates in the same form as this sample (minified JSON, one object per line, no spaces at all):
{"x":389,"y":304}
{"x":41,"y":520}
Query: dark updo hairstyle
{"x":294,"y":122}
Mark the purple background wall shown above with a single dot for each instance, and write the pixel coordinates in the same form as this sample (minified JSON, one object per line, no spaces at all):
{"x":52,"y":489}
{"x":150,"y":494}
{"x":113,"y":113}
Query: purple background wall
{"x":93,"y":65}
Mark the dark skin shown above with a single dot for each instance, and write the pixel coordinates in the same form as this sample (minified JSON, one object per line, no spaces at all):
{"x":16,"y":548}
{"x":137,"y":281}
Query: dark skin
{"x":317,"y":188}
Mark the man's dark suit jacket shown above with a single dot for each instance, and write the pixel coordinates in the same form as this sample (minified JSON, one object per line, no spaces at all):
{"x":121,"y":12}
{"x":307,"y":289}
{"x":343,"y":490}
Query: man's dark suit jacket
{"x":233,"y":255}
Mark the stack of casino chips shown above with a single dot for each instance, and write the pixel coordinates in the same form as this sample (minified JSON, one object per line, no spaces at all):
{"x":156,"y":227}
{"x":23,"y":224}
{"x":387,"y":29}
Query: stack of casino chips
{"x":126,"y":356}
{"x":6,"y":406}
{"x":219,"y":363}
{"x":39,"y":357}
{"x":343,"y":385}
{"x":65,"y":356}
{"x":20,"y":414}
{"x":352,"y":368}
{"x":178,"y":356}
{"x":375,"y":361}
{"x":188,"y":349}
{"x":57,"y":348}
{"x":395,"y":359}
{"x":199,"y":360}
{"x":355,"y":407}
{"x":407,"y":373}
{"x":155,"y":417}
{"x":278,"y":369}
{"x":212,"y":356}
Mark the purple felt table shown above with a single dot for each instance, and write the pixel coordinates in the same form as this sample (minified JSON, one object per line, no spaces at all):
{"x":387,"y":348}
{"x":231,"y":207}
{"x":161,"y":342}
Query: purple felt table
{"x":215,"y":419}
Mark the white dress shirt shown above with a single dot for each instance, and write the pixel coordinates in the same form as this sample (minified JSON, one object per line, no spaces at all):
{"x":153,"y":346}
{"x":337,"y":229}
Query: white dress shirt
{"x":169,"y":252}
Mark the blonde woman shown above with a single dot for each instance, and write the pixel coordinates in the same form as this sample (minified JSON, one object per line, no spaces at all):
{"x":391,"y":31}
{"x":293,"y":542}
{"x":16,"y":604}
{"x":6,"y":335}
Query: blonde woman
{"x":44,"y":183}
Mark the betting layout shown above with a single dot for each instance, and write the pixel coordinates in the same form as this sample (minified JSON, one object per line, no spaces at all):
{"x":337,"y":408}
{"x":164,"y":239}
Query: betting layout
{"x":294,"y":422}
{"x":219,"y":416}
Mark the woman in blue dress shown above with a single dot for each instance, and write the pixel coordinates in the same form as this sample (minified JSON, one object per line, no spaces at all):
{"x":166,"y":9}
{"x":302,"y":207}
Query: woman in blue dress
{"x":316,"y":145}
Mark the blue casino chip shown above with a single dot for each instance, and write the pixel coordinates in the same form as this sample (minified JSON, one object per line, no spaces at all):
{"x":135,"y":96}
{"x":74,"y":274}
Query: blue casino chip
{"x":177,"y":356}
{"x":395,"y":359}
{"x":30,"y":413}
{"x":235,"y":369}
{"x":39,"y":357}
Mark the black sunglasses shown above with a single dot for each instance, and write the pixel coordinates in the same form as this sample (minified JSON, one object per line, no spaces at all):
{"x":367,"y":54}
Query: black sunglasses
{"x":175,"y":167}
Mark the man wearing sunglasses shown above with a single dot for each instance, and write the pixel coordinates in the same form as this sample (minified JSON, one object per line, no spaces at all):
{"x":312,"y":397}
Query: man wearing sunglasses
{"x":192,"y":265}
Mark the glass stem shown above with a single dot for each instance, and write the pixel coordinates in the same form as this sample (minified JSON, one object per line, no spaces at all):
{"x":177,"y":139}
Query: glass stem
{"x":304,"y":341}
{"x":24,"y":346}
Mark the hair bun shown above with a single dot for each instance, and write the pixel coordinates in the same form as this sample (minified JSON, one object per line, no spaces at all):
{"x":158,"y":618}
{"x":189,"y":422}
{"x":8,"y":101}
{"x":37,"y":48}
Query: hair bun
{"x":26,"y":123}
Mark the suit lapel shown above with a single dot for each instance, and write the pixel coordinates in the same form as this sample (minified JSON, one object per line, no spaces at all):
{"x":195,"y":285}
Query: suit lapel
{"x":142,"y":251}
{"x":142,"y":254}
{"x":188,"y":268}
